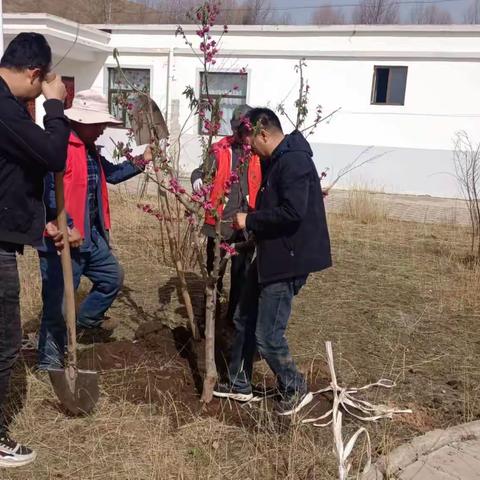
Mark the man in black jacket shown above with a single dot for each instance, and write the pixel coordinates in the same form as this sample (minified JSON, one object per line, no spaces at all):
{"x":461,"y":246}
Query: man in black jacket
{"x":290,"y":229}
{"x":27,"y":153}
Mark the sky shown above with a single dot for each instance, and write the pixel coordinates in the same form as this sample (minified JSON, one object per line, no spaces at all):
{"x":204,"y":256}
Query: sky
{"x":301,"y":15}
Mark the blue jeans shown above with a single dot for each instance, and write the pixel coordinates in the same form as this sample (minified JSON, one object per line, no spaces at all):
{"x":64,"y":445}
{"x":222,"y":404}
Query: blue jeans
{"x":260,"y":322}
{"x":101,"y":267}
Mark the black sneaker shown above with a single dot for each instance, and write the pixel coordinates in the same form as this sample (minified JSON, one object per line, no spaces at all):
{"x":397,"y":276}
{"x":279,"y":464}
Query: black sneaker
{"x":261,"y":392}
{"x":293,"y":404}
{"x":12,"y":454}
{"x":226,"y":390}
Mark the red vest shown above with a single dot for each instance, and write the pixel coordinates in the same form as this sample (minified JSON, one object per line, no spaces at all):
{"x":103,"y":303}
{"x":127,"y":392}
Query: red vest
{"x":75,"y":184}
{"x":223,"y":156}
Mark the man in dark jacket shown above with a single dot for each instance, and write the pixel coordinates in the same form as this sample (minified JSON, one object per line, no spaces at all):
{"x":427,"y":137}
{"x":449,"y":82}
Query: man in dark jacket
{"x":27,"y":153}
{"x":290,"y":228}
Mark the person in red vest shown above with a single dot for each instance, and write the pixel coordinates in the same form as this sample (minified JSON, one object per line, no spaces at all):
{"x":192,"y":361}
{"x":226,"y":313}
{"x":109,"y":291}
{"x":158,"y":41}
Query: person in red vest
{"x":227,"y":157}
{"x":87,"y":206}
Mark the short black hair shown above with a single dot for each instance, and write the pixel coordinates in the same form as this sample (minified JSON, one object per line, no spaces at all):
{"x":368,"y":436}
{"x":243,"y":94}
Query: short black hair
{"x":265,"y":118}
{"x":27,"y":50}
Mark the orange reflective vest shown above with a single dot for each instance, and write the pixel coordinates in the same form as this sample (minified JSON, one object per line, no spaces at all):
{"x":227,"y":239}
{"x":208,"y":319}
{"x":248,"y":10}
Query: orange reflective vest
{"x":222,"y":151}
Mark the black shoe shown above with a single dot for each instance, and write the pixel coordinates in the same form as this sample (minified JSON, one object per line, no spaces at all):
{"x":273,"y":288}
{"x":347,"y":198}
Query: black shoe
{"x":226,"y":390}
{"x":293,"y":403}
{"x":12,"y":454}
{"x":261,"y":390}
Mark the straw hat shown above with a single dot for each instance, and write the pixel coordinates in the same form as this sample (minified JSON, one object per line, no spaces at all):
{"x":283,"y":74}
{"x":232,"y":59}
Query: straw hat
{"x":90,"y":107}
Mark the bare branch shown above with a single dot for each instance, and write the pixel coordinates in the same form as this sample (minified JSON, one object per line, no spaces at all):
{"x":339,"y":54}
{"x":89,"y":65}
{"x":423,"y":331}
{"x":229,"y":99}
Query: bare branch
{"x":357,"y":162}
{"x":373,"y":12}
{"x":430,"y":15}
{"x":328,"y":15}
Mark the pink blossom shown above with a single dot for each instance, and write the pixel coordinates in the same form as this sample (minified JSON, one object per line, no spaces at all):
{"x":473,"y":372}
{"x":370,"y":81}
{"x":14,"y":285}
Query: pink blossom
{"x":229,"y":249}
{"x":207,"y":205}
{"x":206,"y":190}
{"x":175,"y":186}
{"x":146,"y":207}
{"x":234,"y":178}
{"x":192,"y":220}
{"x":247,"y":124}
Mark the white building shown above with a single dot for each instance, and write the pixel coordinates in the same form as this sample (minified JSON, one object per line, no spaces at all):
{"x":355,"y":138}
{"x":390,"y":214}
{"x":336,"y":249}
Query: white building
{"x":403,"y":90}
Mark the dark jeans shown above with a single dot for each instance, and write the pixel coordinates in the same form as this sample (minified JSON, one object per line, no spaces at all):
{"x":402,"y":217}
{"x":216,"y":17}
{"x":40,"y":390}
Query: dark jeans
{"x":260,"y":322}
{"x":238,"y":274}
{"x":10,"y":325}
{"x":101,"y":267}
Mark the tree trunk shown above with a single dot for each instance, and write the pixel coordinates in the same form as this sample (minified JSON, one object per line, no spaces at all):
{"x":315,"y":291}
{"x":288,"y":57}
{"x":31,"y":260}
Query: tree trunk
{"x":210,"y":310}
{"x":178,"y":263}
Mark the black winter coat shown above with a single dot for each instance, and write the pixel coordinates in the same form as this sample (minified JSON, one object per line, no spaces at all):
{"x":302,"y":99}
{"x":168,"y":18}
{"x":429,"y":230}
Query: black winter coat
{"x":27,"y":153}
{"x":289,"y":223}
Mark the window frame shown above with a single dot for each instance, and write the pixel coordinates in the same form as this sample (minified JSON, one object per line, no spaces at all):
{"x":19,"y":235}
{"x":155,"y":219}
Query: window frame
{"x":201,"y":131}
{"x":110,"y":91}
{"x":374,"y":85}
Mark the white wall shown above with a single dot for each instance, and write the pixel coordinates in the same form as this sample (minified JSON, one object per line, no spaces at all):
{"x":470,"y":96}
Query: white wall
{"x":441,"y":99}
{"x":442,"y":95}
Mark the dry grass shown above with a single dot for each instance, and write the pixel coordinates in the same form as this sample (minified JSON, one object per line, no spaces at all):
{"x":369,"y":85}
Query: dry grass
{"x":399,"y":303}
{"x":363,"y":205}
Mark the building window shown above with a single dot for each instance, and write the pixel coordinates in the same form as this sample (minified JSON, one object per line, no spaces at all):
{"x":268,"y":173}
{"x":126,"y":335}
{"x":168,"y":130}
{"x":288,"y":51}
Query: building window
{"x":232,"y":87}
{"x":69,"y":83}
{"x":389,"y":85}
{"x":120,"y":91}
{"x":30,"y":104}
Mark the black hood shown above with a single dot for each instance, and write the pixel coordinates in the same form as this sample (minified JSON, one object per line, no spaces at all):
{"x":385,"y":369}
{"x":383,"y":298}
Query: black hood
{"x":295,"y":142}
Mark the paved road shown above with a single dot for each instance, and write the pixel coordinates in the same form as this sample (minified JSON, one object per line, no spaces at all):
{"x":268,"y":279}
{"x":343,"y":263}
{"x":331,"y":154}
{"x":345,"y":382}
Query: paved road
{"x":451,"y":454}
{"x":413,"y":208}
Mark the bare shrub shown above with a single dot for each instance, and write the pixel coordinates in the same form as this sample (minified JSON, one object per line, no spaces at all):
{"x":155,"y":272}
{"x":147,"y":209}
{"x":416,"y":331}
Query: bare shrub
{"x":466,"y":158}
{"x":365,"y":206}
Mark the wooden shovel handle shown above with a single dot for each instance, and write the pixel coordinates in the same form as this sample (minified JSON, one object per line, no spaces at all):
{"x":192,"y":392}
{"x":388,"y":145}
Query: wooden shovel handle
{"x":69,"y":291}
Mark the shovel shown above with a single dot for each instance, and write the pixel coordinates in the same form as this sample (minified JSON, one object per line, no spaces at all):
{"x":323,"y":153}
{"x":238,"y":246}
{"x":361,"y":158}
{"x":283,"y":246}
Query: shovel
{"x":147,"y":116}
{"x":76,"y":389}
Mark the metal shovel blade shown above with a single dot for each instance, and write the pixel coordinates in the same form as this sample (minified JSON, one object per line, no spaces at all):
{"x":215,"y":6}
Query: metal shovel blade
{"x":77,"y":390}
{"x":145,"y":116}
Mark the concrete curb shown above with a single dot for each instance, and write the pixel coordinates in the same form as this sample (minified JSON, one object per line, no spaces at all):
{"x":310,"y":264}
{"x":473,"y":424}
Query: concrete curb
{"x":412,"y":451}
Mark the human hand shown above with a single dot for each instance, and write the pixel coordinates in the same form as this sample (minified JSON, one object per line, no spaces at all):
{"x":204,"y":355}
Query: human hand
{"x":53,"y":88}
{"x":74,"y":237}
{"x":148,"y":155}
{"x":240,"y":221}
{"x":55,"y":234}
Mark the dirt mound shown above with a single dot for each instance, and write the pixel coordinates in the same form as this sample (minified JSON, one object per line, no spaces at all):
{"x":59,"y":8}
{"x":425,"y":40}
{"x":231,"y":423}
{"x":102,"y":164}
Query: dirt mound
{"x":162,"y":365}
{"x":113,"y":356}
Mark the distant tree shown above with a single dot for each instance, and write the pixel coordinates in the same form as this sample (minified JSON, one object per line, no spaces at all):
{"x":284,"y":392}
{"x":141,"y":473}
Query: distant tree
{"x":328,"y":15}
{"x":107,"y":10}
{"x":284,"y":19}
{"x":472,"y":14}
{"x":256,"y":12}
{"x":373,"y":12}
{"x":430,"y":15}
{"x":251,"y":12}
